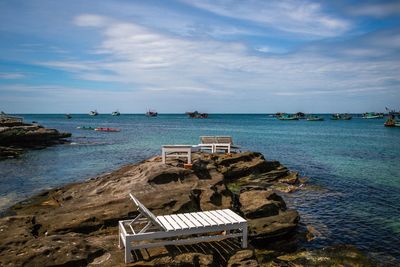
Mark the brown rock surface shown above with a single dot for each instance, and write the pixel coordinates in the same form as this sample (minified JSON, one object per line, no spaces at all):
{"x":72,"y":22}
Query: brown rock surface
{"x":76,"y":225}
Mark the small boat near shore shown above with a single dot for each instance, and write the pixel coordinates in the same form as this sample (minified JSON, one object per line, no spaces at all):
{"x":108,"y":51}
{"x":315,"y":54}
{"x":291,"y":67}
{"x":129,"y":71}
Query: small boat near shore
{"x":115,"y":113}
{"x":85,"y":128}
{"x":372,"y":115}
{"x":93,"y":113}
{"x":314,"y":118}
{"x":106,"y":129}
{"x":344,"y":117}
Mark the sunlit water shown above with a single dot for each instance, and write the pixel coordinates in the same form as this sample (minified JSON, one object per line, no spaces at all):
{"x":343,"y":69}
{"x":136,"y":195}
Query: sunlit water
{"x":354,"y":165}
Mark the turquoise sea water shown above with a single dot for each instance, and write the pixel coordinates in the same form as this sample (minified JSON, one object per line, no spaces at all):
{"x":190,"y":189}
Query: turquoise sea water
{"x":354,"y":170}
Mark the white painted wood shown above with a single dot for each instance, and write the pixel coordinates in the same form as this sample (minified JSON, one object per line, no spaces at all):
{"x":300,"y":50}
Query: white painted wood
{"x":181,"y":223}
{"x":177,"y":151}
{"x":200,"y":219}
{"x":186,"y":220}
{"x":179,"y":228}
{"x":234,"y":215}
{"x":193,"y":219}
{"x":220,"y":217}
{"x":226,"y":216}
{"x":213,"y":217}
{"x":172,"y":222}
{"x":165,"y":223}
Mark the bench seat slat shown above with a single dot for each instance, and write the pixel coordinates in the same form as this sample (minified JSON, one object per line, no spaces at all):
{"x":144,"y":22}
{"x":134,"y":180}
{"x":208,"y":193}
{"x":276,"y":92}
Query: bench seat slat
{"x":172,"y":222}
{"x":214,"y":218}
{"x":207,"y":218}
{"x":226,"y":216}
{"x":200,"y":219}
{"x":193,"y":220}
{"x":186,"y":220}
{"x":165,"y":223}
{"x":234,"y":215}
{"x":220,"y":217}
{"x":179,"y":221}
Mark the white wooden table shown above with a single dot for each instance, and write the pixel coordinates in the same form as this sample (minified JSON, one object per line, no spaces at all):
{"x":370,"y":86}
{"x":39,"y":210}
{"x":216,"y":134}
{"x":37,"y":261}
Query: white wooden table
{"x":177,"y":151}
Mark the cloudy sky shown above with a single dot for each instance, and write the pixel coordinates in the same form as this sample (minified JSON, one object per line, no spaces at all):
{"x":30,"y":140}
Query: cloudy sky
{"x":214,"y":56}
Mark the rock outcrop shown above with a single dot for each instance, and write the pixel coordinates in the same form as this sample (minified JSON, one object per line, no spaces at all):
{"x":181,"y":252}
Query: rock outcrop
{"x":76,"y":225}
{"x":16,"y":136}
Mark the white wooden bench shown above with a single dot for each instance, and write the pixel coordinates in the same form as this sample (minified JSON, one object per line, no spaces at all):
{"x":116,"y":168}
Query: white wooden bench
{"x":148,"y":230}
{"x":177,"y":151}
{"x":217,"y":143}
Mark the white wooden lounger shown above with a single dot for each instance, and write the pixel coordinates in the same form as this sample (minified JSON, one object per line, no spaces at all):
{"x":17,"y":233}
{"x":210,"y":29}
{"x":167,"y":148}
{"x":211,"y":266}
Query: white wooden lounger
{"x":178,"y":229}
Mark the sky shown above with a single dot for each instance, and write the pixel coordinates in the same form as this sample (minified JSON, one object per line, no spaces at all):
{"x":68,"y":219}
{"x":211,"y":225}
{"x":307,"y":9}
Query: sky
{"x":216,"y":56}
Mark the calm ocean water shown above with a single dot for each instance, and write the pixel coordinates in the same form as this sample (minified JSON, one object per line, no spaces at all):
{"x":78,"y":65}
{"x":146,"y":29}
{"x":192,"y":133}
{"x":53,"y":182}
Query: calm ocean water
{"x":354,"y":170}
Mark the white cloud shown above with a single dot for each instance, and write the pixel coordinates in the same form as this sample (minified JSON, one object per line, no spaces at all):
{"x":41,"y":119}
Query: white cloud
{"x":12,"y":75}
{"x":302,"y":17}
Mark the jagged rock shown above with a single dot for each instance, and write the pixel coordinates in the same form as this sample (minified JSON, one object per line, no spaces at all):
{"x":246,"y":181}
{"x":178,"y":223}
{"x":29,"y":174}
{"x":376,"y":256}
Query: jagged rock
{"x":260,"y":203}
{"x":273,"y":227}
{"x":243,"y":258}
{"x":10,"y":152}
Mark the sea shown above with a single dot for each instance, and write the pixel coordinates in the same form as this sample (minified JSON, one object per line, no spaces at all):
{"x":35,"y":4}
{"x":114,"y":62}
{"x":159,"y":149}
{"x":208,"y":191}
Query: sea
{"x":353,"y":167}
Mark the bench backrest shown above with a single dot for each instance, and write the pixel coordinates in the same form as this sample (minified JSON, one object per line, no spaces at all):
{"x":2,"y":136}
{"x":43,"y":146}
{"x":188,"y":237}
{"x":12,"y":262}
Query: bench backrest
{"x":224,"y":140}
{"x":207,"y":139}
{"x":145,"y":211}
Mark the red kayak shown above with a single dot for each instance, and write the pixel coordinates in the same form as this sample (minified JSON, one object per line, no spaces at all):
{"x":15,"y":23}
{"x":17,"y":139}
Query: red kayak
{"x":107,"y":129}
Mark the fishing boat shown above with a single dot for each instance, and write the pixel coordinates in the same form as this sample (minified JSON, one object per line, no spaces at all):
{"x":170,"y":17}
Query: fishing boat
{"x":287,"y":117}
{"x":115,"y":113}
{"x":93,"y":113}
{"x":314,"y":118}
{"x":68,"y":116}
{"x":151,"y":113}
{"x":300,"y":115}
{"x":85,"y":128}
{"x":197,"y":115}
{"x":338,"y":116}
{"x":106,"y":129}
{"x":372,"y":115}
{"x":391,"y":122}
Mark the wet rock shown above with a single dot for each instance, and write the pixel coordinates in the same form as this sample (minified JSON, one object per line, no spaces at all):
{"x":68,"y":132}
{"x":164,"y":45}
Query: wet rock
{"x":243,"y":258}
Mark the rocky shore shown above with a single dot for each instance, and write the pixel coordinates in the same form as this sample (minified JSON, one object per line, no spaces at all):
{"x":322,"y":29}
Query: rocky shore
{"x":76,"y":225}
{"x":17,"y":136}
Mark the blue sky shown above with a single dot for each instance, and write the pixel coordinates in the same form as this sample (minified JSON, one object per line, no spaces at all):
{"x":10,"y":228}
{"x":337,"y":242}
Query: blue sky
{"x":210,"y":55}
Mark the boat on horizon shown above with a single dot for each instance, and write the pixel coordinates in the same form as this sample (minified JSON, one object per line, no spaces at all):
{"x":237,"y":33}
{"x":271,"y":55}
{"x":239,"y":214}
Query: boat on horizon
{"x":314,"y":118}
{"x":68,"y":116}
{"x":392,"y":122}
{"x":93,"y":113}
{"x":115,"y":113}
{"x":372,"y":115}
{"x":287,"y":117}
{"x":300,"y":115}
{"x":197,"y":115}
{"x":338,"y":116}
{"x":151,"y":113}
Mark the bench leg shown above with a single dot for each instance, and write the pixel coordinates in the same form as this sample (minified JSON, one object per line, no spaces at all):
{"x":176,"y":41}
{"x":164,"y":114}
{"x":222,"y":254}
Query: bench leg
{"x":244,"y":237}
{"x":128,"y":252}
{"x":189,"y":157}
{"x":163,"y":155}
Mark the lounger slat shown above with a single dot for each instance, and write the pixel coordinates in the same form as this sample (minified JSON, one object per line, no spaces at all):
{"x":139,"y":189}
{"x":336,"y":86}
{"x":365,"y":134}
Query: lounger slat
{"x":172,"y":222}
{"x":226,"y":216}
{"x":207,"y":218}
{"x":234,"y":215}
{"x":179,"y":221}
{"x":221,"y":217}
{"x":186,"y":220}
{"x":200,"y":219}
{"x":165,"y":223}
{"x":193,"y":219}
{"x":214,"y":218}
